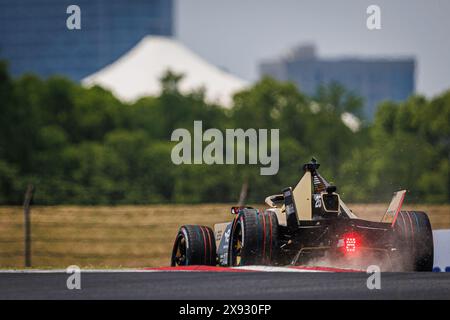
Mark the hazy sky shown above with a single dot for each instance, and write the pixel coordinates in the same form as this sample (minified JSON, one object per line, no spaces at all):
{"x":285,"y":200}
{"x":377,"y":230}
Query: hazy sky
{"x":237,"y":34}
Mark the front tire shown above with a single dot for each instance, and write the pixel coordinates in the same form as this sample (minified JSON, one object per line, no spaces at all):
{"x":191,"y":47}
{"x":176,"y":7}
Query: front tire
{"x":194,"y":245}
{"x":415,"y":240}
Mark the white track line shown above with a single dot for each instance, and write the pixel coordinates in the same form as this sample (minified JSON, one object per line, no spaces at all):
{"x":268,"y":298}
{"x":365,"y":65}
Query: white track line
{"x":275,"y":269}
{"x":81,"y":270}
{"x":249,"y":268}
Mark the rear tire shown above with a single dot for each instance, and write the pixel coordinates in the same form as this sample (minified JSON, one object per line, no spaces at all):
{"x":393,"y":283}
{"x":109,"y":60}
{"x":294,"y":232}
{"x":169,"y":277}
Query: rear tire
{"x":415,"y":240}
{"x":254,"y":238}
{"x":194,"y":245}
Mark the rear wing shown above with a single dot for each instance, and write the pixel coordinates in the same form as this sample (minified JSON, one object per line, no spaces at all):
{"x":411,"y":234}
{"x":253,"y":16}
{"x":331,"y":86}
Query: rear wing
{"x":394,"y":207}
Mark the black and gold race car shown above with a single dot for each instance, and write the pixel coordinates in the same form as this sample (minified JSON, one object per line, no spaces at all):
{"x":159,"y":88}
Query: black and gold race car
{"x":310,"y":225}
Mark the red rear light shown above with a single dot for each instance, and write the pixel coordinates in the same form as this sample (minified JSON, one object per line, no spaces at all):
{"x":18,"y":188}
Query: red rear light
{"x":349,"y":243}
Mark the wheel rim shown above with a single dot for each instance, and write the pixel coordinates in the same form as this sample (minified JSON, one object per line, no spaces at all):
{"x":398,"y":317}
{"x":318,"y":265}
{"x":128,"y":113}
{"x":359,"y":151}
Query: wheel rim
{"x":237,"y":246}
{"x":180,"y":252}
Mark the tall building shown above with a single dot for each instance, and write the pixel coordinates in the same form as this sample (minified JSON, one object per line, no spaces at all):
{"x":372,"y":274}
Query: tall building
{"x":375,"y":80}
{"x":34,"y":36}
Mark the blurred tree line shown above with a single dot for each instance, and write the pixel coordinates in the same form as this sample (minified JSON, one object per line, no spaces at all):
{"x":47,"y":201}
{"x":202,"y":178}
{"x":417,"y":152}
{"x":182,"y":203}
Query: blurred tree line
{"x":83,"y":146}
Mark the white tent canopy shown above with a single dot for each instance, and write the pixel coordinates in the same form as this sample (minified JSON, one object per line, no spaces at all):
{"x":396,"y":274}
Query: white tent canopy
{"x":138,"y":72}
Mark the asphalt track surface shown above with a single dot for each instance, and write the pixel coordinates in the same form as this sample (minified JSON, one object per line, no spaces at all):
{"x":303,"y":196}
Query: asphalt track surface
{"x":224,"y":285}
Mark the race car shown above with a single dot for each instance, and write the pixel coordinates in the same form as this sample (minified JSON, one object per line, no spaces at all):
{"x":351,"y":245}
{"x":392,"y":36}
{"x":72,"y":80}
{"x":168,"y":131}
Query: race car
{"x":310,"y":225}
